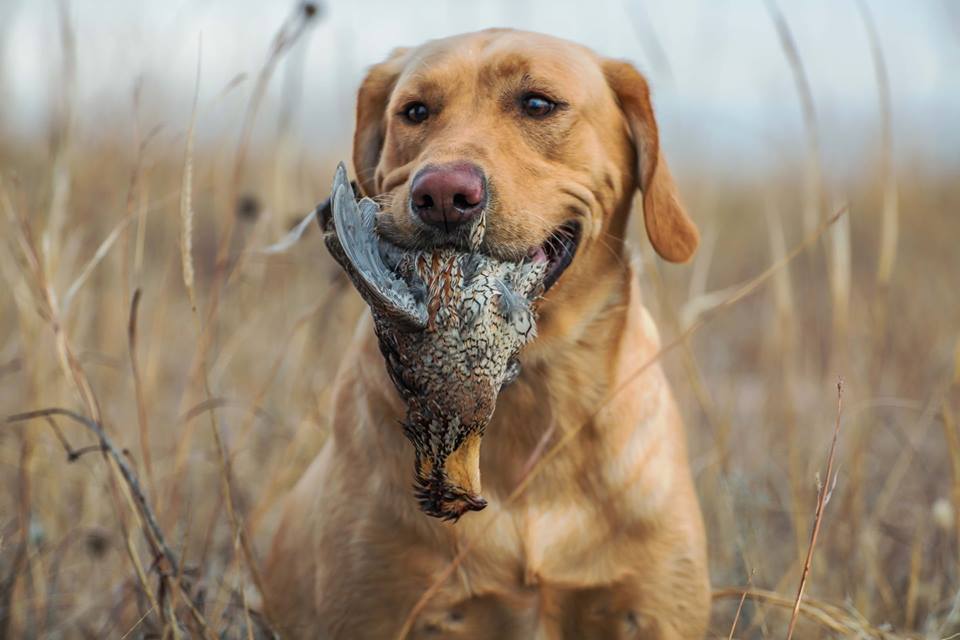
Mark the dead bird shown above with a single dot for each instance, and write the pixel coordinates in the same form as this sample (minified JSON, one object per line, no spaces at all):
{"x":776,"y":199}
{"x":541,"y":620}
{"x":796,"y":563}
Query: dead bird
{"x":450,"y":325}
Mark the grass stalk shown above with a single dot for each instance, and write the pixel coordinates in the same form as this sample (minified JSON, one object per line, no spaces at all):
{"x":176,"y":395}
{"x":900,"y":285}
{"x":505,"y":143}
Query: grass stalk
{"x":824,"y":492}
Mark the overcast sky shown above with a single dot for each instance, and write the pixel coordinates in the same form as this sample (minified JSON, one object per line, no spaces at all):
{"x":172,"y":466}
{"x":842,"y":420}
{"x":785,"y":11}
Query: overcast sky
{"x":722,"y":86}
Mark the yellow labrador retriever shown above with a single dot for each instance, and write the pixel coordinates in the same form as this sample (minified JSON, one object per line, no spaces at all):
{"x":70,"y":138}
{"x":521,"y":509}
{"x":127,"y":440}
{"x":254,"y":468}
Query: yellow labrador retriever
{"x":550,"y":142}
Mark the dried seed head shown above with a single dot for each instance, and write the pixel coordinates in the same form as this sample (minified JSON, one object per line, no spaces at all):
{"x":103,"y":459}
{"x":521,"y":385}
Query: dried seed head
{"x":943,"y":514}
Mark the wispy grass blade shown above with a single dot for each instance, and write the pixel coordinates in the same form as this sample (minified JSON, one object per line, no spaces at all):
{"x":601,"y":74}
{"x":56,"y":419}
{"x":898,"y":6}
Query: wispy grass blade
{"x":186,"y":193}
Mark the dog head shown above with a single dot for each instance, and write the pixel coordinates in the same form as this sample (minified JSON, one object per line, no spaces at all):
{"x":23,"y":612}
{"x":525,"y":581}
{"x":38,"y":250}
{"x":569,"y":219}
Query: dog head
{"x":542,"y":140}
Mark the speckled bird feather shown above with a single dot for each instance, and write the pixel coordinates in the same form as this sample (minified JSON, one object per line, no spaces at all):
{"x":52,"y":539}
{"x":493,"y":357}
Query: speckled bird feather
{"x":450,"y":325}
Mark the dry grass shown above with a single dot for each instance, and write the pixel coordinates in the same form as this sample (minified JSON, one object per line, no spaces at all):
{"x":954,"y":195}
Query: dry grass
{"x":127,"y":350}
{"x":98,"y":316}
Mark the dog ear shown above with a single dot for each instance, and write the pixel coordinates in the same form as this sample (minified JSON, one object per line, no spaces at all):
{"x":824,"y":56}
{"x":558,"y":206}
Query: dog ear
{"x":671,"y":231}
{"x":371,"y":128}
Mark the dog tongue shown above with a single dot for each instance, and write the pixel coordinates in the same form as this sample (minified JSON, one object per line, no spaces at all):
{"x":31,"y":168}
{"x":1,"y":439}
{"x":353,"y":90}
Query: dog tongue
{"x":539,"y":255}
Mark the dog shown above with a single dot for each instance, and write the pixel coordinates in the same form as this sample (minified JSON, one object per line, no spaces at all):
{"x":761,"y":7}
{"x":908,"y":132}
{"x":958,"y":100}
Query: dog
{"x":549,"y":143}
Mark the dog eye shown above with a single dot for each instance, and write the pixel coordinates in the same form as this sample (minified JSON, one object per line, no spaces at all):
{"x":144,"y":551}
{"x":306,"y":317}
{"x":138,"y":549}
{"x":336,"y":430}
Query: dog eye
{"x":416,"y":112}
{"x":537,"y":106}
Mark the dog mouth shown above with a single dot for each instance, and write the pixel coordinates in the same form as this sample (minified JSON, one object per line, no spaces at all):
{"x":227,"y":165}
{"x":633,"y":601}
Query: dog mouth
{"x":557,"y":251}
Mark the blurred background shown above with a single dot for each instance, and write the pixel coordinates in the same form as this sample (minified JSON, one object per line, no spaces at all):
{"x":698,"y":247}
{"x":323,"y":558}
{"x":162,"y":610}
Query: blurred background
{"x":722,"y":82}
{"x":155,"y":158}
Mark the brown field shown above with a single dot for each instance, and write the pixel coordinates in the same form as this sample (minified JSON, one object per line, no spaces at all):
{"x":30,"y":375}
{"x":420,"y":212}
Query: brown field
{"x":217,"y":409}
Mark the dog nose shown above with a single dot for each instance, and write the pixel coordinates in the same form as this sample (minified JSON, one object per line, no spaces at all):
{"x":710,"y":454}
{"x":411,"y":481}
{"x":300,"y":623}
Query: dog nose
{"x":446,"y":196}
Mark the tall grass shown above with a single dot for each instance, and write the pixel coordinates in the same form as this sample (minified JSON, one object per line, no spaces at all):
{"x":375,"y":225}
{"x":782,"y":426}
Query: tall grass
{"x":126,"y":357}
{"x":137,"y":299}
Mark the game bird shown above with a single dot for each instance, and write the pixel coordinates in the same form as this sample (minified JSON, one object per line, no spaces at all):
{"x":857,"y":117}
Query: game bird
{"x":450,"y":325}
